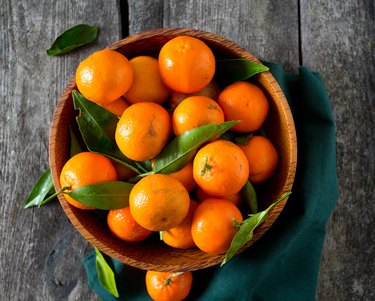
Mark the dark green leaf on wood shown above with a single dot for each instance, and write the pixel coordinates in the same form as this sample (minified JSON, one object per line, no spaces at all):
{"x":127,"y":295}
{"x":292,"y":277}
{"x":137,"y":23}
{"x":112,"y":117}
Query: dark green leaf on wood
{"x":72,"y":38}
{"x":40,"y":191}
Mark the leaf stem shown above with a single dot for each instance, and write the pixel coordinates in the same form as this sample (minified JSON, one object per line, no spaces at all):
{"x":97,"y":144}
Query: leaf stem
{"x":62,"y":190}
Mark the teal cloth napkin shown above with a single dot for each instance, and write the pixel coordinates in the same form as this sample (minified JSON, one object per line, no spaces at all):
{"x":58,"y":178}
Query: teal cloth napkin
{"x":284,"y":263}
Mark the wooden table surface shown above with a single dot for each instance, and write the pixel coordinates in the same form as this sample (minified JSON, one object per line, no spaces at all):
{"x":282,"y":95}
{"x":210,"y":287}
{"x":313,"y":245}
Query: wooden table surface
{"x":41,"y":252}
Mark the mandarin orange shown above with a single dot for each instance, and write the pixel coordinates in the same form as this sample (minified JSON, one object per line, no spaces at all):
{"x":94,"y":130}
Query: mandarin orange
{"x":213,"y":226}
{"x":166,"y":286}
{"x":186,"y":64}
{"x":262,"y":157}
{"x":220,"y":168}
{"x":246,"y":102}
{"x":83,"y":169}
{"x":143,"y":130}
{"x":159,"y":202}
{"x":196,"y":111}
{"x":122,"y":224}
{"x":104,"y":76}
{"x":147,"y":85}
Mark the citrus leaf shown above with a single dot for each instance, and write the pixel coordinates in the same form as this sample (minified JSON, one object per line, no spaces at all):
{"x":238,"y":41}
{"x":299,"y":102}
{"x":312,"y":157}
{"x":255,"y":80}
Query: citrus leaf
{"x":105,"y":274}
{"x":182,"y":148}
{"x":105,"y":196}
{"x":246,"y":230}
{"x":229,"y":71}
{"x":75,"y":147}
{"x":40,"y":190}
{"x":250,"y":196}
{"x":72,"y":38}
{"x":98,"y":127}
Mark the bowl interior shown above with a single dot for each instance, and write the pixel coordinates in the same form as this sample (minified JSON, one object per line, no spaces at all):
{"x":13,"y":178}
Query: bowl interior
{"x":153,"y":254}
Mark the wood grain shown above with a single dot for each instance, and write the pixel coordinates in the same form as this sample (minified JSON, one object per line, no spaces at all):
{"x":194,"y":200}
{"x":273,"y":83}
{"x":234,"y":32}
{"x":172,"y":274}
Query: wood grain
{"x":339,"y":43}
{"x":41,"y":253}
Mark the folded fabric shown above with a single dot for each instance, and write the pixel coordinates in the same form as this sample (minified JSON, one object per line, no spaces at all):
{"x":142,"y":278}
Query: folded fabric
{"x":284,"y":263}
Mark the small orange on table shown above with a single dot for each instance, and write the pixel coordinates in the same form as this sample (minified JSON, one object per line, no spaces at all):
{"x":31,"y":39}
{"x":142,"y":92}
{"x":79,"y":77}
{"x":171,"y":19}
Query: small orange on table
{"x":83,"y":169}
{"x":166,"y":286}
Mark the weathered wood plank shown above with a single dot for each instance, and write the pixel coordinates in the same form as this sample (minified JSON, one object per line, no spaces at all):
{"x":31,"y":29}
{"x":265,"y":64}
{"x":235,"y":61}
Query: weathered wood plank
{"x":41,"y":252}
{"x":338,"y":41}
{"x":267,"y":29}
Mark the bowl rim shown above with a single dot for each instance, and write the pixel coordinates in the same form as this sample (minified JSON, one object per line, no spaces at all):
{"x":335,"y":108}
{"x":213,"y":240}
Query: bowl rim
{"x":265,"y":78}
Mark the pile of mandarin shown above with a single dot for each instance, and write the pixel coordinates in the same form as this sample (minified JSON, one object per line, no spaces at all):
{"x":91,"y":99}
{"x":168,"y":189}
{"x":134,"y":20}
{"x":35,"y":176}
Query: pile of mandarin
{"x":156,"y":100}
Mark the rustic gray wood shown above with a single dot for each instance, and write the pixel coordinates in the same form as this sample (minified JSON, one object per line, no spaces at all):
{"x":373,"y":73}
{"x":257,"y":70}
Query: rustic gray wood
{"x":339,"y":43}
{"x":41,"y":252}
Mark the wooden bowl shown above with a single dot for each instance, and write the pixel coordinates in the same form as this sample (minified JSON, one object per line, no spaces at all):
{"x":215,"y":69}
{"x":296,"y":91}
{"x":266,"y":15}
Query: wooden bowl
{"x":153,"y":254}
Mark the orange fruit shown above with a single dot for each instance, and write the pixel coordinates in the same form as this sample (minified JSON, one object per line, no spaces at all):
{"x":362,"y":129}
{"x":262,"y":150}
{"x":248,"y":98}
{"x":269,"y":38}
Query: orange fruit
{"x":186,"y":64}
{"x":147,"y":84}
{"x":122,"y":224}
{"x":180,"y":236}
{"x":212,"y":90}
{"x":143,"y":130}
{"x":196,"y":111}
{"x":246,"y":102}
{"x":166,"y":286}
{"x":213,"y":227}
{"x":159,"y":202}
{"x":235,"y":198}
{"x":116,"y":107}
{"x":83,"y":169}
{"x":104,"y":76}
{"x":185,"y":176}
{"x":262,"y":157}
{"x":220,"y":168}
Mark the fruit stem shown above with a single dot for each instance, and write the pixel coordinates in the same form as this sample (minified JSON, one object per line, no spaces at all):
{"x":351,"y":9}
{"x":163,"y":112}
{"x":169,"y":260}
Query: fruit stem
{"x":206,"y":167}
{"x":168,"y":281}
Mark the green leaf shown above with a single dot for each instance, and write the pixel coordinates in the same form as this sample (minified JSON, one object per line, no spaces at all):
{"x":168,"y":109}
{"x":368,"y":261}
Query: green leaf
{"x":105,"y":274}
{"x":183,"y":148}
{"x":250,"y":196}
{"x":232,"y":70}
{"x":40,"y":190}
{"x":75,"y":147}
{"x":98,"y":127}
{"x":72,"y":38}
{"x":105,"y":196}
{"x":246,"y":230}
